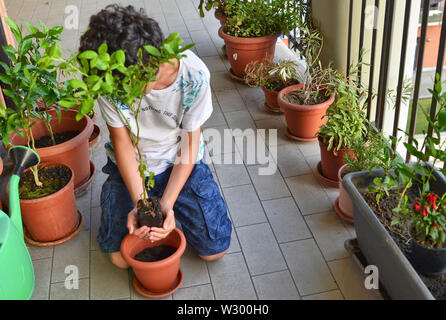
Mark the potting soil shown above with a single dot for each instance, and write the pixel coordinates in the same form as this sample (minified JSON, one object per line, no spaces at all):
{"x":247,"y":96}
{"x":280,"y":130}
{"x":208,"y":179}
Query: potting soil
{"x":155,"y":253}
{"x":60,"y":137}
{"x":53,"y":179}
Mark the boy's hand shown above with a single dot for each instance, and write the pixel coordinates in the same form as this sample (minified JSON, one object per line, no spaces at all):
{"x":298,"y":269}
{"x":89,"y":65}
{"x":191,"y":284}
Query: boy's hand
{"x":132,"y":225}
{"x":156,"y":234}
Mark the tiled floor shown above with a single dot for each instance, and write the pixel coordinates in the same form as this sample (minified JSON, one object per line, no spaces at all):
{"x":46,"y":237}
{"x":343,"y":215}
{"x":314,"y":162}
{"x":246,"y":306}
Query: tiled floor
{"x":287,"y":242}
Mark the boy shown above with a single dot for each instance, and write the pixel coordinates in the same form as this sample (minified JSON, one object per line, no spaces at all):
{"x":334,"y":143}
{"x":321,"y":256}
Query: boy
{"x":174,"y":108}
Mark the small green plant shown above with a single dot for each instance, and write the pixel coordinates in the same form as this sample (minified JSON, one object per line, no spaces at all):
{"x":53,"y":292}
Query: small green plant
{"x":107,"y":75}
{"x":258,"y":18}
{"x":209,"y":4}
{"x":31,"y":81}
{"x":273,"y":75}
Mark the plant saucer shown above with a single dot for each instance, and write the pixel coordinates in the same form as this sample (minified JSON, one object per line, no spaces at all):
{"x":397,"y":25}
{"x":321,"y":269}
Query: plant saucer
{"x":327,"y":181}
{"x":37,"y":243}
{"x":80,"y":188}
{"x":156,"y":295}
{"x":272,"y":109}
{"x":291,"y":136}
{"x":236,"y":77}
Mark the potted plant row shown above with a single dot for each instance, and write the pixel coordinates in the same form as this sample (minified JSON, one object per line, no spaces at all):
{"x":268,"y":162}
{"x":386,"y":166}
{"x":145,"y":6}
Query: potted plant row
{"x":127,"y":84}
{"x":400,"y":214}
{"x":46,"y":191}
{"x":252,"y":28}
{"x":272,"y":76}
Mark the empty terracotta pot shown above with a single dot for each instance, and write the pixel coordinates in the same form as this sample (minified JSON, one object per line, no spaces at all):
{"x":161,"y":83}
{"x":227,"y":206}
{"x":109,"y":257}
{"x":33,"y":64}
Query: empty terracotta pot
{"x":344,"y":203}
{"x":74,"y":153}
{"x":303,"y":121}
{"x":52,"y":217}
{"x":241,"y":51}
{"x":271,"y":103}
{"x":159,"y":276}
{"x":332,"y":161}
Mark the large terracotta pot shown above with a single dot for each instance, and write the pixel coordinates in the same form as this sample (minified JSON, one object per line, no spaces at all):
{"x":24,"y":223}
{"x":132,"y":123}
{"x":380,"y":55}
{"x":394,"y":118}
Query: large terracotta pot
{"x":241,"y":51}
{"x":74,"y":153}
{"x":220,"y":17}
{"x":343,"y":205}
{"x":53,"y":217}
{"x":303,"y":121}
{"x":331,"y":162}
{"x":271,"y":103}
{"x":159,"y":278}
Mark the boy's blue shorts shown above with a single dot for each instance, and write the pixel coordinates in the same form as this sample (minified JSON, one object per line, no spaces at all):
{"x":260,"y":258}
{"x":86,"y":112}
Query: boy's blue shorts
{"x":200,"y":209}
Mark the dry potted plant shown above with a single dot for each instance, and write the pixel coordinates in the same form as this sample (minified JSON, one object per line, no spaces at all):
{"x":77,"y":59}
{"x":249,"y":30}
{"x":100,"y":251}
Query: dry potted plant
{"x":272,"y":76}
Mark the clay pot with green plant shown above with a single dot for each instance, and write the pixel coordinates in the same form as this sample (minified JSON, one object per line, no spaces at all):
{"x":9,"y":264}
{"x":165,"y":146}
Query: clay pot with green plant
{"x":252,"y":28}
{"x":346,"y":124}
{"x":32,"y":77}
{"x":272,"y":76}
{"x":219,"y":6}
{"x":111,"y":78}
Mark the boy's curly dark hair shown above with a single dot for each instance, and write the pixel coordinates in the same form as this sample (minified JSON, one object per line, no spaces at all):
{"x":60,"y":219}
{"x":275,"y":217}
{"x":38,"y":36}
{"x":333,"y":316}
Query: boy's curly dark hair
{"x":121,"y":28}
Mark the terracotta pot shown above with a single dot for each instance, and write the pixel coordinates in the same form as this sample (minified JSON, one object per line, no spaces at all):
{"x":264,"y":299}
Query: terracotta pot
{"x":94,"y":136}
{"x":271,"y":103}
{"x":303,"y":121}
{"x":241,"y":51}
{"x":159,"y":276}
{"x":74,"y":153}
{"x":52,"y":217}
{"x":344,"y":204}
{"x":331,"y":162}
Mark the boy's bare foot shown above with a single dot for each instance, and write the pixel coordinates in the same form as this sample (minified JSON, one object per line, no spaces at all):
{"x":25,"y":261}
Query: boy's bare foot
{"x":117,"y":259}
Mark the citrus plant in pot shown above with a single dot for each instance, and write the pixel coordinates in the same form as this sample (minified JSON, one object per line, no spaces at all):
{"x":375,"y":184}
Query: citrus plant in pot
{"x":46,"y":191}
{"x":57,"y":135}
{"x":252,"y":28}
{"x":272,"y":76}
{"x":398,"y":220}
{"x":124,"y":87}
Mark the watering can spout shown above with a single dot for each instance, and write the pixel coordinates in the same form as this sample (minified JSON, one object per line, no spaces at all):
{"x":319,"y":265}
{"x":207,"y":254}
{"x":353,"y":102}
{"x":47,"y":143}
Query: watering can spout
{"x":23,"y":157}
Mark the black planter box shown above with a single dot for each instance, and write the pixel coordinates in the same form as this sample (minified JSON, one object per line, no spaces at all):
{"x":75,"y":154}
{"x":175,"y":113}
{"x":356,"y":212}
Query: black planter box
{"x":397,"y":275}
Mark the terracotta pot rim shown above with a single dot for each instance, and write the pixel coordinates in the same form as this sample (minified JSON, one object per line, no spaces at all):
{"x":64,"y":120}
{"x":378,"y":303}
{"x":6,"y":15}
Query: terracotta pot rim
{"x":269,"y":90}
{"x":298,"y":107}
{"x":142,"y":265}
{"x":245,"y":40}
{"x":70,"y":184}
{"x":86,"y":132}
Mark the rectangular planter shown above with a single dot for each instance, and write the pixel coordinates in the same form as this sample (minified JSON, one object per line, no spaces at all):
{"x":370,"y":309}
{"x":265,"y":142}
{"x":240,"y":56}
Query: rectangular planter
{"x":397,"y":275}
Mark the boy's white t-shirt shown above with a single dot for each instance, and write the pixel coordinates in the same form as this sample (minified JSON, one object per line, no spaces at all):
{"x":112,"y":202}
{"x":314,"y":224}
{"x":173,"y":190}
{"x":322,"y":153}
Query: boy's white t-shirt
{"x":186,"y":104}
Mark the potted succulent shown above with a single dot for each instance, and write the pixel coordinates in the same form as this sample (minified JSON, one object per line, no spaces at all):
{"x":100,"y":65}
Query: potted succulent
{"x":106,"y":75}
{"x":56,"y":135}
{"x":305,"y":104}
{"x":272,"y":76}
{"x":252,"y":28}
{"x":393,"y":203}
{"x":346,"y":123}
{"x":46,"y":191}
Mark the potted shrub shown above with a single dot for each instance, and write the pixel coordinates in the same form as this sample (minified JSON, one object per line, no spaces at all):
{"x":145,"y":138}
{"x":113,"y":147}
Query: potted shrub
{"x":46,"y":191}
{"x":305,"y":104}
{"x":346,"y":123}
{"x":219,"y":6}
{"x":57,"y":136}
{"x":272,"y":76}
{"x":106,"y":75}
{"x":392,"y":204}
{"x":252,"y":28}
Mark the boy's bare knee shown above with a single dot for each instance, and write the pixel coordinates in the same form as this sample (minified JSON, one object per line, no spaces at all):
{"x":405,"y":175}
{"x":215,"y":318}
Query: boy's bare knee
{"x":117,"y":259}
{"x":214,"y":257}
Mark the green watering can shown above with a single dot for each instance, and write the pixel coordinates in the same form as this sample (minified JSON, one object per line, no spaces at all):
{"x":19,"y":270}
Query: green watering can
{"x":16,"y":268}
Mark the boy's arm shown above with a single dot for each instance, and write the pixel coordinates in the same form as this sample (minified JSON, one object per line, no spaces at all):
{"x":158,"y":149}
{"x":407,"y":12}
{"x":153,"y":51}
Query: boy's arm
{"x":125,"y":156}
{"x":181,"y":171}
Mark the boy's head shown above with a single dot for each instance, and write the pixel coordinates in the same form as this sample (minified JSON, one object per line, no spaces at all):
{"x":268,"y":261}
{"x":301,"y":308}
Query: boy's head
{"x":121,"y":28}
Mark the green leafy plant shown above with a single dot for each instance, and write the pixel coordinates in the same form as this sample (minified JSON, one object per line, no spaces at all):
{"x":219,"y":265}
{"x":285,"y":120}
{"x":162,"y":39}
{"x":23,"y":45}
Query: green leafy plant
{"x":31,"y":82}
{"x":271,"y":74}
{"x":257,"y":18}
{"x":104,"y":74}
{"x":209,"y":4}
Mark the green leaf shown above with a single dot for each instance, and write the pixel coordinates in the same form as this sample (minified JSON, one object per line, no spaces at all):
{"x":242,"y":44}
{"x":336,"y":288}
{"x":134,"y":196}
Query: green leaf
{"x":14,"y":28}
{"x":88,"y":54}
{"x":120,"y":56}
{"x":76,"y":84}
{"x":153,"y":51}
{"x":442,"y":120}
{"x":103,"y":48}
